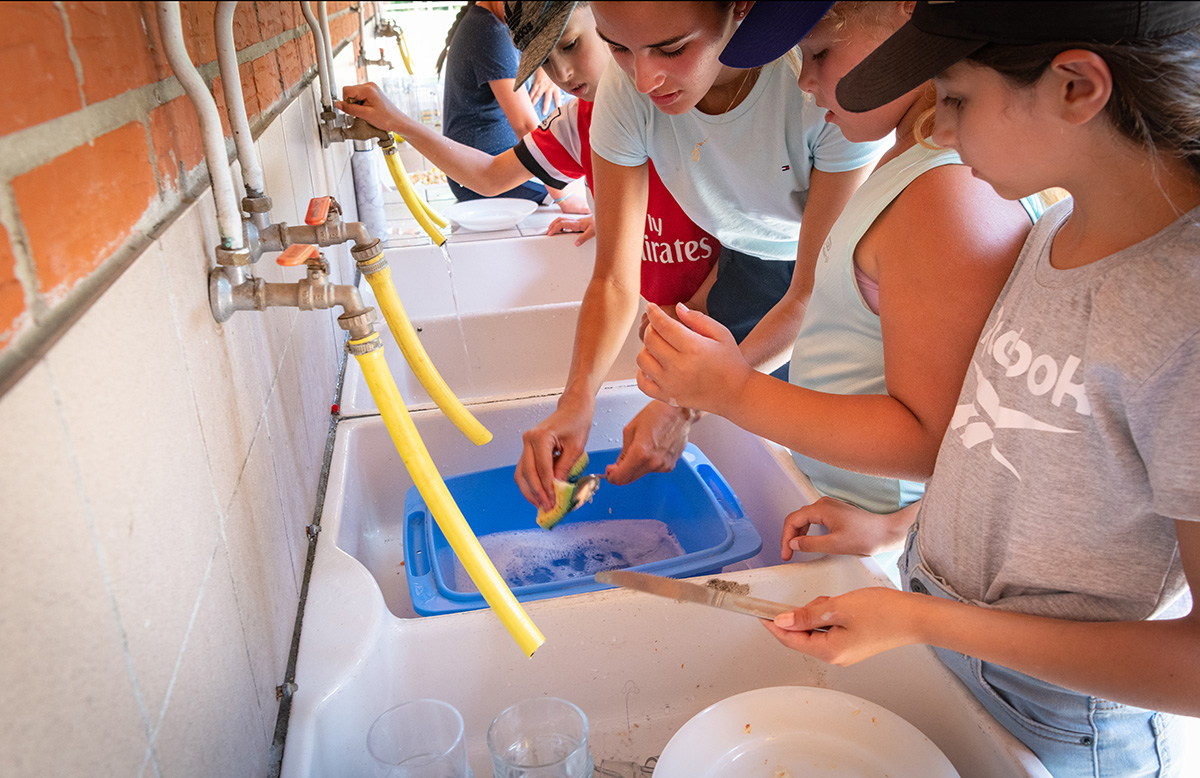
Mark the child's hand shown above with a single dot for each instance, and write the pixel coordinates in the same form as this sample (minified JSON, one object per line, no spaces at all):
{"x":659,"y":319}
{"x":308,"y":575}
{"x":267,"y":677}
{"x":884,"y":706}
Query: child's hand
{"x":863,"y":623}
{"x":586,"y":226}
{"x":693,"y":362}
{"x":852,"y":530}
{"x":368,"y":102}
{"x":652,"y":443}
{"x":574,"y":204}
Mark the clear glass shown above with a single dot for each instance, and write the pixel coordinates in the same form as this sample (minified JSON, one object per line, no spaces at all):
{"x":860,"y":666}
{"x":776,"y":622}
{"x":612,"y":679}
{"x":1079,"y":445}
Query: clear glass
{"x":419,"y":739}
{"x":544,"y":737}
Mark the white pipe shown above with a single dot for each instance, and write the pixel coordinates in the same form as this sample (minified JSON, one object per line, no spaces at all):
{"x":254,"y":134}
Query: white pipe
{"x":323,"y":13}
{"x":319,"y":43}
{"x":229,"y":214}
{"x":235,"y":103}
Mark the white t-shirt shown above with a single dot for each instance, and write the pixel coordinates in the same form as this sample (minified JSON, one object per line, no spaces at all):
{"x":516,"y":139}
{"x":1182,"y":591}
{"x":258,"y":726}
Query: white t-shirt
{"x":750,"y":182}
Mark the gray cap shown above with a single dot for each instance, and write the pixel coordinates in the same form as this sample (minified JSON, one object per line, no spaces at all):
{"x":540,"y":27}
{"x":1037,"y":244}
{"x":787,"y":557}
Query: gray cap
{"x":535,"y":27}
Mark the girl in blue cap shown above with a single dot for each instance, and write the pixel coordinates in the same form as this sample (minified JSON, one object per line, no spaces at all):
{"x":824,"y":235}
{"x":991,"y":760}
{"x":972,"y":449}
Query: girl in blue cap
{"x":1053,"y":559}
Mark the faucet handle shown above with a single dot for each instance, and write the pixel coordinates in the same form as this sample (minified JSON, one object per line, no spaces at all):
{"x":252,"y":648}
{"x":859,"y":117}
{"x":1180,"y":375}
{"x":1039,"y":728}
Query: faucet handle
{"x":297,"y":254}
{"x":318,"y":210}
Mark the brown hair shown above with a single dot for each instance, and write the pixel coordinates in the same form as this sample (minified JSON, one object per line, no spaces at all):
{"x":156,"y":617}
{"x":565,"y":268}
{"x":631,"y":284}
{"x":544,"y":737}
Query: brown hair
{"x":1155,"y":99}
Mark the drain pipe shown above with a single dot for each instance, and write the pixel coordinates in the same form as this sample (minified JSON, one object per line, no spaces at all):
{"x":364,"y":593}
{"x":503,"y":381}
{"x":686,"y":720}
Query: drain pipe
{"x":319,"y":42}
{"x":231,"y":83}
{"x":232,"y":252}
{"x":323,"y":14}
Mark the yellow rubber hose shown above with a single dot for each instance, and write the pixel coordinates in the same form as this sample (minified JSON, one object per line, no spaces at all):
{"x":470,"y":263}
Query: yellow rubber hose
{"x":414,"y":203}
{"x":404,"y":50}
{"x":406,"y":337}
{"x":432,"y":212}
{"x":445,"y":511}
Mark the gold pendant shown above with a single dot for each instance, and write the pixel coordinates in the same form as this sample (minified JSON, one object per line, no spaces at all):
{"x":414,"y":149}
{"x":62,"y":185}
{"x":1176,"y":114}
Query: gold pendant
{"x":696,"y":150}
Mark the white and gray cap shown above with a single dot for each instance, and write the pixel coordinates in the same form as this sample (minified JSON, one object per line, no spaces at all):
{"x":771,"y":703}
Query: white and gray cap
{"x":535,"y":28}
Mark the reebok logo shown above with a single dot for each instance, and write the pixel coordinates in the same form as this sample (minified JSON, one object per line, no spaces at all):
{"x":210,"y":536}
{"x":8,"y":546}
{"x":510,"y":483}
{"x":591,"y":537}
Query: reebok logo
{"x":978,"y":420}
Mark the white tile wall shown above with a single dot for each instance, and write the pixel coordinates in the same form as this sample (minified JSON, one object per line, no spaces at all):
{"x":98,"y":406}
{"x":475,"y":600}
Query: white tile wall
{"x":157,"y":472}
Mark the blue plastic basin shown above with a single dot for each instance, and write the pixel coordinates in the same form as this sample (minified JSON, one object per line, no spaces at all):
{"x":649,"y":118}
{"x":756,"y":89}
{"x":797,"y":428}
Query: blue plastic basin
{"x":693,"y":500}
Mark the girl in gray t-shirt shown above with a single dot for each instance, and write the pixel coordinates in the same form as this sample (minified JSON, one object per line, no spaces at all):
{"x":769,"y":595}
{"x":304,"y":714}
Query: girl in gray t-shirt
{"x":1060,"y":533}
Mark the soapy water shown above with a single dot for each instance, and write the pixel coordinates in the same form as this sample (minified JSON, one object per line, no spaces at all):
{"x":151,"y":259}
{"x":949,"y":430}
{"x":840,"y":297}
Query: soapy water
{"x":535,"y":556}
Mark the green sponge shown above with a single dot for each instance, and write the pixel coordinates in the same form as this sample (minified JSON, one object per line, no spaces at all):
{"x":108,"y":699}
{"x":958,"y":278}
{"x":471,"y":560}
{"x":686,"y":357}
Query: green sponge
{"x":568,"y":495}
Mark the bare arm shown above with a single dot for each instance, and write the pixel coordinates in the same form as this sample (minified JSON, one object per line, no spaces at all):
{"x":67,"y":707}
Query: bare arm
{"x":517,"y":106}
{"x":608,"y":309}
{"x":769,"y":344}
{"x":471,"y":167}
{"x":1149,"y":664}
{"x":938,"y":279}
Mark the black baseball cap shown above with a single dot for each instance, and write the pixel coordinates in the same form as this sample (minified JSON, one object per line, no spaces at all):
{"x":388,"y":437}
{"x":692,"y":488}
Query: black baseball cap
{"x":942,"y":33}
{"x":535,"y":27}
{"x":769,"y":30}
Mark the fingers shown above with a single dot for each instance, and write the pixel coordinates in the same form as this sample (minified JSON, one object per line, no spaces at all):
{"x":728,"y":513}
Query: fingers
{"x":588,"y":233}
{"x":561,"y":225}
{"x":535,"y":470}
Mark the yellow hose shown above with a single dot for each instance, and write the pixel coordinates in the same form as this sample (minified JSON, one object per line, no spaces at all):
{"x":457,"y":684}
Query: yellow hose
{"x":445,"y":512}
{"x":404,"y":50}
{"x":418,"y":360}
{"x":402,"y":172}
{"x":414,"y":203}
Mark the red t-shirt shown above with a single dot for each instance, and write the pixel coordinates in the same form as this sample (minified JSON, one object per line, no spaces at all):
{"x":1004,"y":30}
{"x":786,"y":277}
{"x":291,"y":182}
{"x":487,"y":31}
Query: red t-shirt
{"x":676,"y":253}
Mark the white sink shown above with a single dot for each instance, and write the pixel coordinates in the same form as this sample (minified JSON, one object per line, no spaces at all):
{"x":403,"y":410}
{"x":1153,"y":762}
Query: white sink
{"x":638,"y":666}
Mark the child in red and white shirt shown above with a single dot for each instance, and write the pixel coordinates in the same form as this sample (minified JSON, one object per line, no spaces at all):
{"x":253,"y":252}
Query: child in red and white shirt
{"x":677,"y":255}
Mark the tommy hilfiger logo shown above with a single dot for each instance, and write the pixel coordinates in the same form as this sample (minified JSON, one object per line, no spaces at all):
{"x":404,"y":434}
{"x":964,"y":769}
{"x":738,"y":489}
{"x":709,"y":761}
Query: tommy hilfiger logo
{"x":785,"y":168}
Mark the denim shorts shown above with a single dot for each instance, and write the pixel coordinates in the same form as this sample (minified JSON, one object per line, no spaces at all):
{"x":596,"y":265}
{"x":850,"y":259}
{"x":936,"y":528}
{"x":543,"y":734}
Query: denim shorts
{"x":746,"y":288}
{"x":1075,"y":735}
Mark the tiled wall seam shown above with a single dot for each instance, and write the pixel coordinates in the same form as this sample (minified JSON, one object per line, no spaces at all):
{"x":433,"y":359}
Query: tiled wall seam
{"x":43,"y":320}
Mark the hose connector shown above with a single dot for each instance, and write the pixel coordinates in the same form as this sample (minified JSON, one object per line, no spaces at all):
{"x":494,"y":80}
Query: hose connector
{"x":361,"y":326}
{"x":232,"y":257}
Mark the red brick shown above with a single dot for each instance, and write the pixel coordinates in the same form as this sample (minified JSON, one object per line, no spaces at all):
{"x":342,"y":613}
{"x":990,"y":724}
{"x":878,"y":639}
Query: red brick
{"x":158,"y":55}
{"x":245,"y":26}
{"x":12,"y":295}
{"x":107,"y":184}
{"x":112,"y":46}
{"x":178,"y":148}
{"x":289,"y":63}
{"x":270,"y":19}
{"x":308,"y":54}
{"x":266,"y":80}
{"x":293,"y":17}
{"x":198,"y":30}
{"x":33,"y":43}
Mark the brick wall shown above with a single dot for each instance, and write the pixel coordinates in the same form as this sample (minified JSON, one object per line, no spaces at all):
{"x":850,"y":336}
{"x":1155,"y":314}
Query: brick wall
{"x":99,"y":146}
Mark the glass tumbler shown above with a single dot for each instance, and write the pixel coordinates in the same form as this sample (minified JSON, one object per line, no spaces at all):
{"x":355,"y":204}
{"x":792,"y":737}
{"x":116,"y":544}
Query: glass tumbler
{"x":544,"y":737}
{"x":419,"y":739}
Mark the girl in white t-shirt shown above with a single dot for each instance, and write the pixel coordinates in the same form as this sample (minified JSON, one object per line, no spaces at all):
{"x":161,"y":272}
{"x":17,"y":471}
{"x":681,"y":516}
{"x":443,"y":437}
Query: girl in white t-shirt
{"x":744,"y":157}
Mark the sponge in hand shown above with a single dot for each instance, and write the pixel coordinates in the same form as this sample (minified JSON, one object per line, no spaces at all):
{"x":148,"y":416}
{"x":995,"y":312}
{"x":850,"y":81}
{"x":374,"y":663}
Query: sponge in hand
{"x":568,"y":495}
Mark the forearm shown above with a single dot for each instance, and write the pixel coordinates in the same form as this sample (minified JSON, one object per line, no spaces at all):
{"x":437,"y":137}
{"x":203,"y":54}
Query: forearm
{"x":1148,"y":664}
{"x":477,"y":170}
{"x":605,"y":317}
{"x":769,"y":344}
{"x":869,"y":433}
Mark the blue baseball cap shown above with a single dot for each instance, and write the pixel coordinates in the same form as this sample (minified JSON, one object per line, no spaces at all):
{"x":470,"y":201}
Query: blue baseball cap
{"x":769,"y":30}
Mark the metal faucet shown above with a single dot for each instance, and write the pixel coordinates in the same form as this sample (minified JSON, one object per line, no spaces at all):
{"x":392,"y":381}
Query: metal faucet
{"x":363,"y":61}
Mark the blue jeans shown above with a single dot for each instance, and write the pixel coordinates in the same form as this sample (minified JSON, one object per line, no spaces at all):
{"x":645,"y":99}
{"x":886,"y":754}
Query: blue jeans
{"x":530,"y":190}
{"x":1075,"y":735}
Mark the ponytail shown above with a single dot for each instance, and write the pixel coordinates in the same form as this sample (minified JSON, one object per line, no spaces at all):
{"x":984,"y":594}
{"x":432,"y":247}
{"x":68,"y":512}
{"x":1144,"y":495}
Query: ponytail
{"x":450,"y":35}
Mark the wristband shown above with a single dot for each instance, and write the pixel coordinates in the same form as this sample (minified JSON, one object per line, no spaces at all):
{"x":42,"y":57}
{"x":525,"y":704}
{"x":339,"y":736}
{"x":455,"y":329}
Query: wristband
{"x":560,"y":199}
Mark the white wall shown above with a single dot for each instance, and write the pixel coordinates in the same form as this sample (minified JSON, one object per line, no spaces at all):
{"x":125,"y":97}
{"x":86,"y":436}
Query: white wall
{"x":157,"y":472}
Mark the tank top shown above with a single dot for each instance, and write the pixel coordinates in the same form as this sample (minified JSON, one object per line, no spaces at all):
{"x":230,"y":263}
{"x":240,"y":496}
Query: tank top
{"x":839,"y":349}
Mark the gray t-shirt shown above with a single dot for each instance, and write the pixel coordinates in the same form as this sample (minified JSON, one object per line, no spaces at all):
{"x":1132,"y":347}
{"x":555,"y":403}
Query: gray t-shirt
{"x":1074,"y":445}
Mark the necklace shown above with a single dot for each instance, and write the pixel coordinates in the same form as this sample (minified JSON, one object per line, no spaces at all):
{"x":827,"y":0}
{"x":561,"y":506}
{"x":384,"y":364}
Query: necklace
{"x":745,"y":78}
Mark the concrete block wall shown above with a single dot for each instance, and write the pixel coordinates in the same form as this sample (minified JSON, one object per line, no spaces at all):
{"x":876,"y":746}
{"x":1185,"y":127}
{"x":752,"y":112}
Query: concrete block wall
{"x":157,"y":469}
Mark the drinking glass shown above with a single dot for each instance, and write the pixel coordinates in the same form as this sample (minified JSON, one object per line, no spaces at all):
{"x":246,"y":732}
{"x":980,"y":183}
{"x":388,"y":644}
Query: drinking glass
{"x":544,"y":737}
{"x":419,"y":739}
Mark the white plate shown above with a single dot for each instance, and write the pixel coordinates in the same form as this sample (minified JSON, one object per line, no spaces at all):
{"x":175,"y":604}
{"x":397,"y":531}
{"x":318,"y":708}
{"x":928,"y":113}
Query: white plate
{"x":794,"y":731}
{"x":496,"y":213}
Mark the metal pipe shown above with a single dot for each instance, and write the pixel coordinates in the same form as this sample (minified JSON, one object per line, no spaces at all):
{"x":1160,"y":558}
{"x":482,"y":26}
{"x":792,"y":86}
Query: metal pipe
{"x":229,"y":216}
{"x":235,"y":103}
{"x":323,"y":14}
{"x":319,"y":44}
